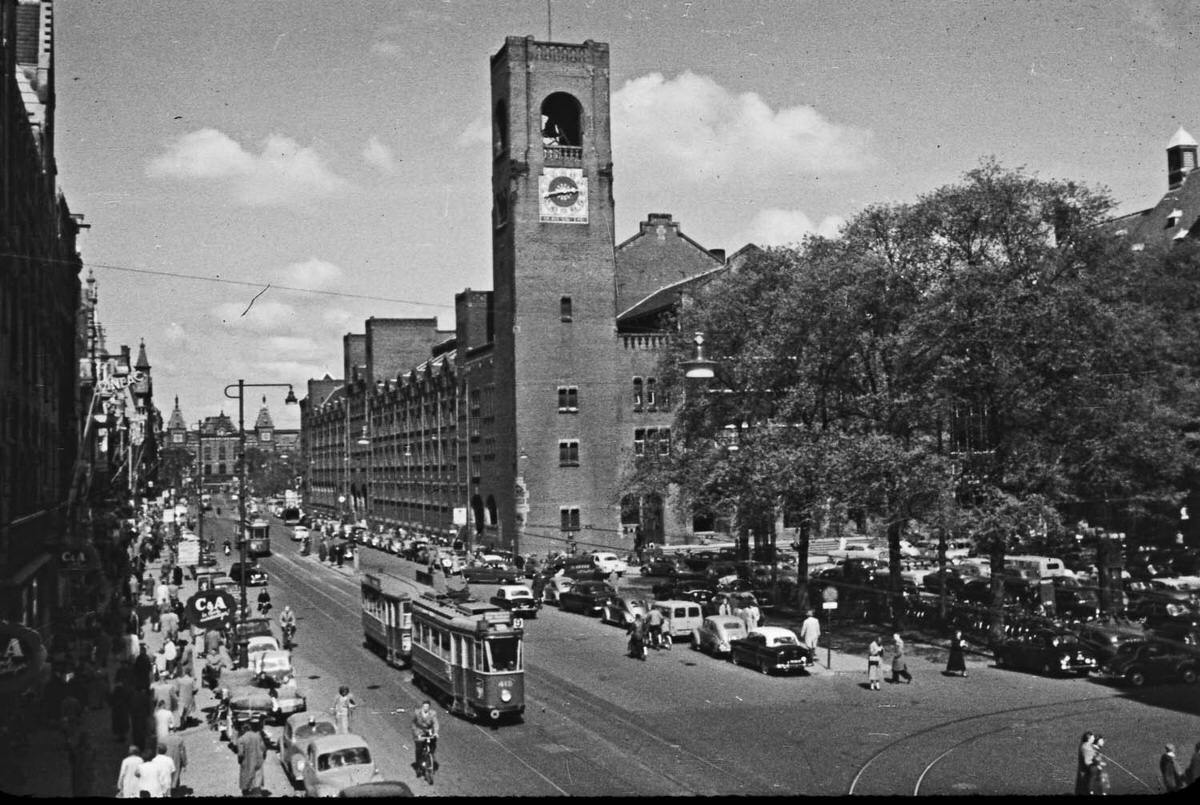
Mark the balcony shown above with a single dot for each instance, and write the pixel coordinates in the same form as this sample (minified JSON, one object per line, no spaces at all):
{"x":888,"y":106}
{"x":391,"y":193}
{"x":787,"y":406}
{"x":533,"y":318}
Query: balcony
{"x":563,"y":155}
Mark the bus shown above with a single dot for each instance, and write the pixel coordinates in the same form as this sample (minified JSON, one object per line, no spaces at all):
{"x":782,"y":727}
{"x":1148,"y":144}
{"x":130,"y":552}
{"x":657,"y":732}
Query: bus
{"x":387,"y":618}
{"x":258,"y":538}
{"x":470,"y":654}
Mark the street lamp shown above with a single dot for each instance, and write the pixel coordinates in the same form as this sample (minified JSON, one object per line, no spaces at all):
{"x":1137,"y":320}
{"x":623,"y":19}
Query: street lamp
{"x":241,"y":387}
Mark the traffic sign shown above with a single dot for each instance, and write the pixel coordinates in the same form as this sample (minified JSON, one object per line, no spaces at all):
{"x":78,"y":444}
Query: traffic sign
{"x":830,"y":593}
{"x":829,"y":605}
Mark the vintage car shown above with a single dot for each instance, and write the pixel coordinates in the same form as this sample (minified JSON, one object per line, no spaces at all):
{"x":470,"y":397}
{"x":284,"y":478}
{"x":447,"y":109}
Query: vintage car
{"x":299,"y":533}
{"x":492,"y":573}
{"x":518,"y":599}
{"x":298,"y":732}
{"x":689,"y":589}
{"x":586,"y":597}
{"x":717,"y":632}
{"x":1104,"y":639}
{"x":622,"y":610}
{"x":554,"y":587}
{"x":259,"y":699}
{"x":681,"y":618}
{"x":377,"y":788}
{"x":333,"y":763}
{"x":1142,"y":661}
{"x":1048,"y":652}
{"x":661,"y":565}
{"x":272,"y":666}
{"x":255,"y":575}
{"x":607,"y":562}
{"x":244,"y":630}
{"x":259,"y":644}
{"x":770,"y":648}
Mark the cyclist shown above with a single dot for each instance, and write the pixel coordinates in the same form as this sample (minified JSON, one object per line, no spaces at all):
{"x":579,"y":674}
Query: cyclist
{"x":654,"y":626}
{"x":287,"y":624}
{"x":425,"y":723}
{"x":264,"y":602}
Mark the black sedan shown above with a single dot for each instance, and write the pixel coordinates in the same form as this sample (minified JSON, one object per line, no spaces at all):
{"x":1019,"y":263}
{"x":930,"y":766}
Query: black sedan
{"x":1048,"y":652}
{"x":586,"y":597}
{"x":255,"y":575}
{"x":1139,"y":662}
{"x":770,"y":648}
{"x":492,"y":573}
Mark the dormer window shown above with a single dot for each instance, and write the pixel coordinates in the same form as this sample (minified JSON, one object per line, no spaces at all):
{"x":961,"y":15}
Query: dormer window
{"x":1174,"y":218}
{"x":1180,"y":235}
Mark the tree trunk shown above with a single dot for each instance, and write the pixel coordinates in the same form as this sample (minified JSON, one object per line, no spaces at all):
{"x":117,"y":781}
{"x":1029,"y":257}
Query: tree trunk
{"x":895,"y":592}
{"x":804,"y":534}
{"x":996,"y":630}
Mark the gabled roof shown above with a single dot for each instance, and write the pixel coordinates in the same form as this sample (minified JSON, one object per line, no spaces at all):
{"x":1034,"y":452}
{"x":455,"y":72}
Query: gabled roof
{"x":1175,"y":217}
{"x":264,"y":421}
{"x":176,"y":421}
{"x":668,"y":295}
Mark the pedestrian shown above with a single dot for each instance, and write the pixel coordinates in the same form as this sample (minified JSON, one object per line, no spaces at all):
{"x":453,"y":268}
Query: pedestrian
{"x":1087,"y":751}
{"x":127,"y":779}
{"x":187,"y":657}
{"x":810,"y":633}
{"x":323,"y":550}
{"x":154,"y":776}
{"x":1193,"y":770}
{"x":177,"y":752}
{"x":140,"y":719}
{"x":1098,"y":784}
{"x":170,"y":625}
{"x":1172,"y":776}
{"x":133,"y":588}
{"x":143,"y":669}
{"x":874,"y":663}
{"x":958,"y":661}
{"x":134,"y":623}
{"x":185,"y":699}
{"x":164,"y":720}
{"x":177,"y":577}
{"x":342,"y":705}
{"x":251,"y":752}
{"x":212,"y":641}
{"x":81,"y":758}
{"x":160,"y":663}
{"x":171,"y":653}
{"x":119,"y":699}
{"x":899,"y":663}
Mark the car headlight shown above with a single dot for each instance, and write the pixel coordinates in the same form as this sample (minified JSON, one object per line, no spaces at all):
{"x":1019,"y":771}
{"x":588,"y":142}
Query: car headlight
{"x":505,"y":695}
{"x":299,"y":765}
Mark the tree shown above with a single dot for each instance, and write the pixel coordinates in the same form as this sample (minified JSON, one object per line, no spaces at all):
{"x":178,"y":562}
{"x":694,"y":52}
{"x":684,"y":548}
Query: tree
{"x":174,"y":465}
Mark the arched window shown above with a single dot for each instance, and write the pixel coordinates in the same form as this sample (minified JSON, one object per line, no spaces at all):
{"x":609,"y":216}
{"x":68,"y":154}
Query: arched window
{"x":562,"y":128}
{"x":637,"y":394}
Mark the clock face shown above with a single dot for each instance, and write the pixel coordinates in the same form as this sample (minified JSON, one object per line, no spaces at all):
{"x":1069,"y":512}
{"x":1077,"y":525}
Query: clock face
{"x":563,"y":194}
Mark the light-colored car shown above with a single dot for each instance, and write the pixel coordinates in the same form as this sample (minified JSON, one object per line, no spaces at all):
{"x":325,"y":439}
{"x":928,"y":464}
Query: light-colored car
{"x":336,"y":762}
{"x":607,"y":562}
{"x":273,"y":665}
{"x":554,"y":586}
{"x":298,"y":731}
{"x":854,"y":552}
{"x":716,"y":632}
{"x":259,"y":644}
{"x":621,"y":610}
{"x":680,"y":618}
{"x":299,"y":533}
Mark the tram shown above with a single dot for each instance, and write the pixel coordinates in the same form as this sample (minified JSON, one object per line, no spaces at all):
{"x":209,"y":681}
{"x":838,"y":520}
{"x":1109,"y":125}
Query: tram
{"x":258,"y":538}
{"x":469,"y":653}
{"x":387,"y":617}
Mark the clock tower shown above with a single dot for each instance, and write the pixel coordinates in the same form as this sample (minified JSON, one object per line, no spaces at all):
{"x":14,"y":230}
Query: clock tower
{"x":554,"y":282}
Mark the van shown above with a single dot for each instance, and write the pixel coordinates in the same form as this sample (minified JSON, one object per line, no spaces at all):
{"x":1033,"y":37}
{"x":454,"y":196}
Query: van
{"x":1044,"y":566}
{"x":680,"y":618}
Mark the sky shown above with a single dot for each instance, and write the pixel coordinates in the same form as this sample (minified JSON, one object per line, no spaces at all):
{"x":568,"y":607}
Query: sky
{"x":260,"y":178}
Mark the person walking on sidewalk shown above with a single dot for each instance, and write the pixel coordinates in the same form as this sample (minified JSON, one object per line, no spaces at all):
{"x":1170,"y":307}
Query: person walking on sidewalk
{"x":119,"y":700}
{"x":251,"y":752}
{"x":1172,"y":775}
{"x":810,"y":634}
{"x":957,"y":664}
{"x":178,"y":754}
{"x":154,"y":776}
{"x":185,"y":700}
{"x":1087,"y":751}
{"x":143,"y":669}
{"x":81,"y":758}
{"x":899,"y":663}
{"x":874,"y":663}
{"x":140,"y":719}
{"x":162,"y":721}
{"x":127,"y":779}
{"x":342,"y":705}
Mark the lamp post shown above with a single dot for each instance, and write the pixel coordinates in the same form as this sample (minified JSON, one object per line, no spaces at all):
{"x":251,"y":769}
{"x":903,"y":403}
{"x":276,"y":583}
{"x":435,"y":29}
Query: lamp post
{"x":241,"y":387}
{"x":200,"y":482}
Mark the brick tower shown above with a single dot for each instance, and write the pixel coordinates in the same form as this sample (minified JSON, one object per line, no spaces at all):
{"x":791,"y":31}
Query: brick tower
{"x":554,"y":278}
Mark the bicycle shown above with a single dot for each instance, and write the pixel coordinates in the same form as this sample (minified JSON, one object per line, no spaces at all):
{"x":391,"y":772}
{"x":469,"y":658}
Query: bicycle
{"x":425,"y":757}
{"x":289,"y":632}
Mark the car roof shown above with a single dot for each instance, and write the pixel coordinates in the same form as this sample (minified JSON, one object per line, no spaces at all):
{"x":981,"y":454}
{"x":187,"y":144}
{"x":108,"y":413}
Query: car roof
{"x":512,"y":588}
{"x":674,"y":602}
{"x":378,"y":788}
{"x":773,"y":631}
{"x":728,"y":621}
{"x":331,"y":743}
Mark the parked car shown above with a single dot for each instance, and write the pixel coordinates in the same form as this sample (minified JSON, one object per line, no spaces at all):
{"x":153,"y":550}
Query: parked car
{"x":662,"y":566}
{"x":854,"y":551}
{"x":1048,"y":652}
{"x":273,"y":665}
{"x":554,"y":587}
{"x":770,"y":648}
{"x":1075,"y":600}
{"x":260,"y":698}
{"x":336,"y":762}
{"x":298,"y":732}
{"x":607,"y":562}
{"x":258,"y":644}
{"x":586,"y":597}
{"x":690,"y":590}
{"x":244,"y":630}
{"x":255,"y":575}
{"x":378,"y":788}
{"x":622,"y":610}
{"x":1104,"y":639}
{"x":680,"y":618}
{"x":579,"y":568}
{"x":950,"y":578}
{"x":1153,"y":660}
{"x":716,"y":634}
{"x":299,"y":533}
{"x":517,"y":598}
{"x":491,"y":573}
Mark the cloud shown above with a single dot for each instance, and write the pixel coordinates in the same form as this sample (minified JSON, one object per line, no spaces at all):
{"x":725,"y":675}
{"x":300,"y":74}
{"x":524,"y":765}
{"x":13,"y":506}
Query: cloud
{"x":312,"y":273}
{"x":477,"y":132}
{"x":703,"y":133}
{"x":379,"y":155}
{"x":775,"y":227}
{"x":282,"y":173}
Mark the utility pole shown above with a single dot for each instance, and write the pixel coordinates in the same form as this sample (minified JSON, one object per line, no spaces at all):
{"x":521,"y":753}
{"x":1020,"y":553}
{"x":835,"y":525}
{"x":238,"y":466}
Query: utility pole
{"x":200,"y":482}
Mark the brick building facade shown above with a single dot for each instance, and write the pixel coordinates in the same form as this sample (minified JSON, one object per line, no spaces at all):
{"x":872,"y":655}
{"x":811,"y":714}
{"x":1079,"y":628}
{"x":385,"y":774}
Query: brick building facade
{"x":522,"y":423}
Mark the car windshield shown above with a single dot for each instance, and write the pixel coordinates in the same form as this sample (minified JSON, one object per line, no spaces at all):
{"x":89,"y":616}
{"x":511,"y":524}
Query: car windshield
{"x":731,"y":624}
{"x":783,"y":640}
{"x":350,"y":756}
{"x":305,"y":731}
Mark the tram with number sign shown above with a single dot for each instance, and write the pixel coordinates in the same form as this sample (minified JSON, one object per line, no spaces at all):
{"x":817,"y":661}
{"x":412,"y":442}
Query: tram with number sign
{"x":258,"y":538}
{"x":387,"y":617}
{"x":470,"y":654}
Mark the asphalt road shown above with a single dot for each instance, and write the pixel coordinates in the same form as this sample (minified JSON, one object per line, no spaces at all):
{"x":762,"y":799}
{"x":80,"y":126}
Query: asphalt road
{"x":601,"y":724}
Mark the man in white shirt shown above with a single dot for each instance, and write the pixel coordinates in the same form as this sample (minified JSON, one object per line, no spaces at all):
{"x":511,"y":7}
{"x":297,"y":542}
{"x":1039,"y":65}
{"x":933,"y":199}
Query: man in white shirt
{"x":127,"y":779}
{"x":810,"y":632}
{"x":154,"y":776}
